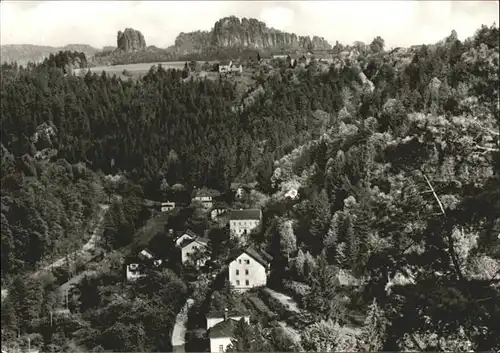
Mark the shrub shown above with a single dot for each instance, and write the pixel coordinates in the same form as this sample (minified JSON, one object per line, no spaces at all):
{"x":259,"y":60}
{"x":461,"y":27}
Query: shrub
{"x":274,"y":304}
{"x":297,"y":290}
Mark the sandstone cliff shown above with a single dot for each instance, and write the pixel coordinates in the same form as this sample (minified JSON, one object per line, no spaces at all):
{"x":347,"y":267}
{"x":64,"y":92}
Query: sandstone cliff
{"x":130,"y":40}
{"x":231,"y":32}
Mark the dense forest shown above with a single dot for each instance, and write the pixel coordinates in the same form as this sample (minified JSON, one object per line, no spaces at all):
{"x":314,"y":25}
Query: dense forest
{"x":398,"y":186}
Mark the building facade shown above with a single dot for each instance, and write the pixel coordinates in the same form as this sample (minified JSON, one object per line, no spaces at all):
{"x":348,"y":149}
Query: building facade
{"x":242,"y":222}
{"x":190,"y":249}
{"x":167,"y":206}
{"x":221,"y":334}
{"x":249,"y":269}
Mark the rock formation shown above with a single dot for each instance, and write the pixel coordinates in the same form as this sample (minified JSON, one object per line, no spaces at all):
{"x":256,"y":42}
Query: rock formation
{"x":231,"y":32}
{"x":130,"y":40}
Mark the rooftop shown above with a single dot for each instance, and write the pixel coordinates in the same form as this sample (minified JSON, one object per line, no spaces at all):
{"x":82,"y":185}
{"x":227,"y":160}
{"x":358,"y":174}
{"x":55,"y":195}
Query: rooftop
{"x":231,"y":313}
{"x":252,"y":213}
{"x":260,"y":256}
{"x":205,"y":192}
{"x":201,"y":241}
{"x":223,"y":329}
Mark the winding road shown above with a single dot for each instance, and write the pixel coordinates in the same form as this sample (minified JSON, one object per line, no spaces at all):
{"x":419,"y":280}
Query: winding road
{"x":179,"y":332}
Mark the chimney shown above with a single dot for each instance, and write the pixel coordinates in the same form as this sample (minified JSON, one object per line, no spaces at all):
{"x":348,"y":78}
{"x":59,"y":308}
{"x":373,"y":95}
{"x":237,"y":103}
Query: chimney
{"x":225,"y":314}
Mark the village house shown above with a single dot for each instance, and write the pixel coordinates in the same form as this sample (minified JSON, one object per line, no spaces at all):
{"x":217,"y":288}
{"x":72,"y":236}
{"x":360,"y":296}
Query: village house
{"x":221,"y":334}
{"x":167,"y":206}
{"x":214,"y":317}
{"x":184,"y":237}
{"x":138,"y":268}
{"x":239,"y":189}
{"x":205,"y":196}
{"x":230,"y":67}
{"x":242,"y":222}
{"x":248,"y":269}
{"x":216,"y":212}
{"x":193,"y":251}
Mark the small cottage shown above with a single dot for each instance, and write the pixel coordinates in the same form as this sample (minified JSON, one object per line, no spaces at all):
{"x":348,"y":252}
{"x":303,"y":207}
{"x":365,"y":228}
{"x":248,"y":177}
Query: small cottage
{"x":205,"y":196}
{"x":242,"y":222}
{"x":214,"y":317}
{"x":249,"y":268}
{"x":184,"y":237}
{"x":221,"y":334}
{"x":193,"y":252}
{"x":230,"y":67}
{"x":167,"y":206}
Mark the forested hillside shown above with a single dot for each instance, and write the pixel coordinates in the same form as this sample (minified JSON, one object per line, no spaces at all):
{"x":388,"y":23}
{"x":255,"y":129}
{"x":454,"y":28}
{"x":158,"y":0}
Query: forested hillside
{"x":398,"y":191}
{"x":403,"y":193}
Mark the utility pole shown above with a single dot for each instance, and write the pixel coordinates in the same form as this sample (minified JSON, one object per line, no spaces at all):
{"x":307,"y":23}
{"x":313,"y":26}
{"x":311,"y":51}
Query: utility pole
{"x":51,"y":318}
{"x":67,"y":299}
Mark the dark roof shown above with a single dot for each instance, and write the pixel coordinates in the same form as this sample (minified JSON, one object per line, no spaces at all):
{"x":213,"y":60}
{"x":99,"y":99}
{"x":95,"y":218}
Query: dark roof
{"x":260,"y":256}
{"x":223,"y":329}
{"x":235,"y":312}
{"x":202,"y":241}
{"x":205,"y":192}
{"x":188,"y":232}
{"x":253,"y":213}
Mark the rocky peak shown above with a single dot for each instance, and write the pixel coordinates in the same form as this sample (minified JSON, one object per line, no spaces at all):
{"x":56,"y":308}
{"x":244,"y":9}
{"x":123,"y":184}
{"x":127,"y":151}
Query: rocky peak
{"x":231,"y":32}
{"x":130,"y":40}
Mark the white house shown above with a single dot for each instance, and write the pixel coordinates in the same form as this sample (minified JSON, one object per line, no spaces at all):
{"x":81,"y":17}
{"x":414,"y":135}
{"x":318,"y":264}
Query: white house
{"x":249,"y":268}
{"x":190,"y":247}
{"x":213,"y":318}
{"x":205,"y":196}
{"x":221,"y":334}
{"x":134,"y":271}
{"x":242,"y":222}
{"x":188,"y":235}
{"x":167,"y":206}
{"x":230,"y":67}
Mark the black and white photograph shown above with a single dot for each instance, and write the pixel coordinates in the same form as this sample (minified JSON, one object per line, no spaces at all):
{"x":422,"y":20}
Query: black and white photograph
{"x":250,"y":176}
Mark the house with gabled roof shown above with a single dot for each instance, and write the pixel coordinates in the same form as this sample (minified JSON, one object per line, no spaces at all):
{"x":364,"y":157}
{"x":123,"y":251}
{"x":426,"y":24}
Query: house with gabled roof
{"x":185,"y":236}
{"x":242,"y":222}
{"x":221,"y":335}
{"x":205,"y":196}
{"x":194,"y":251}
{"x":230,"y":67}
{"x":214,"y":317}
{"x":248,"y":268}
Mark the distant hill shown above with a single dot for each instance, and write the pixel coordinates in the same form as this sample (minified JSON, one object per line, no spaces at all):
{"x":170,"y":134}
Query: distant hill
{"x":229,"y":37}
{"x":23,"y":53}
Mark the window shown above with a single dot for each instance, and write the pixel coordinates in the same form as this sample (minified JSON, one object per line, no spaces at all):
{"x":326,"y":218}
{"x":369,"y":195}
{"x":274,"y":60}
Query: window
{"x":247,"y":262}
{"x":239,"y":261}
{"x":238,"y":282}
{"x":221,"y":348}
{"x":237,"y":272}
{"x":247,"y":282}
{"x":246,"y":272}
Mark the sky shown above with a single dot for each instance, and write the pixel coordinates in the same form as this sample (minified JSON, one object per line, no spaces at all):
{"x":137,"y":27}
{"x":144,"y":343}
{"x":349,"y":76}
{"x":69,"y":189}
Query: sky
{"x":400,"y":23}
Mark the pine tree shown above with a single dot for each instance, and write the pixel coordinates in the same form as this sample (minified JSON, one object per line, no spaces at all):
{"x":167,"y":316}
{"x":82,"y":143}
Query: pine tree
{"x":374,"y":328}
{"x":242,"y":338}
{"x":323,"y":289}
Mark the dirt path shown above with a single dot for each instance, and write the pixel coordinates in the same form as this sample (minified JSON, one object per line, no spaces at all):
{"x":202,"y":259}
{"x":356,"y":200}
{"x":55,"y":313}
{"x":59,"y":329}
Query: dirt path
{"x":87,"y":247}
{"x":179,"y":331}
{"x":90,"y":245}
{"x":286,"y":300}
